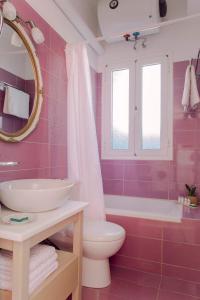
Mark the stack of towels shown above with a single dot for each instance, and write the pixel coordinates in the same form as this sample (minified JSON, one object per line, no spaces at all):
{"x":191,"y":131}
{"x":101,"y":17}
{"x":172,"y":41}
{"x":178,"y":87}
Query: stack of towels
{"x":43,"y":262}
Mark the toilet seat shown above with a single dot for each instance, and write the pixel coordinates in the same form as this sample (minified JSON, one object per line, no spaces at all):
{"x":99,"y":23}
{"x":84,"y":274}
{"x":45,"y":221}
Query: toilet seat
{"x":102,"y":231}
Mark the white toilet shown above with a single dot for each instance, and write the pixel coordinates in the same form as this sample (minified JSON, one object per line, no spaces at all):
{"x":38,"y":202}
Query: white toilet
{"x":101,"y":240}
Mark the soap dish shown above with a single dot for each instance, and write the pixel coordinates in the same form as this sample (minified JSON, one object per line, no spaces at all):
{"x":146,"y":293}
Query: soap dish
{"x":18,"y":219}
{"x":193,"y":205}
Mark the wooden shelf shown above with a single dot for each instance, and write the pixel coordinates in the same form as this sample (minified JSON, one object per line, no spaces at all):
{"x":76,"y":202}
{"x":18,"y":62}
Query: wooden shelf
{"x":59,"y":284}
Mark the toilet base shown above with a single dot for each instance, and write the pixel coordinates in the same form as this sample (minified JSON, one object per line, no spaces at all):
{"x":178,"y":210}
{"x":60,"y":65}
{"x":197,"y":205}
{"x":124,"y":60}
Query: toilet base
{"x":96,"y":273}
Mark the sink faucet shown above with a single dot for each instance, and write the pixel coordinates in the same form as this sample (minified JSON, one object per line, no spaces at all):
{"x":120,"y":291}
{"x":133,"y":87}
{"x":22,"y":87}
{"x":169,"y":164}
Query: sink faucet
{"x":8,"y":163}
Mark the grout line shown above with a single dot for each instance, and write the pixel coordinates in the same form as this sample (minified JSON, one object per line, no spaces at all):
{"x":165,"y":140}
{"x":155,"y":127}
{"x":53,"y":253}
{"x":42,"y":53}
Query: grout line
{"x":32,"y":169}
{"x":158,"y":293}
{"x":144,"y":237}
{"x":161,"y":265}
{"x":140,"y":259}
{"x":162,"y":250}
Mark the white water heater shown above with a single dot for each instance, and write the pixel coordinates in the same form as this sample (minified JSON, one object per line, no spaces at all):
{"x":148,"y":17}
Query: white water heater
{"x":118,"y":17}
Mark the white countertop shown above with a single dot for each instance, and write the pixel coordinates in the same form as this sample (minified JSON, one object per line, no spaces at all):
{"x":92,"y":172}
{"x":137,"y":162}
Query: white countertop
{"x":43,"y":221}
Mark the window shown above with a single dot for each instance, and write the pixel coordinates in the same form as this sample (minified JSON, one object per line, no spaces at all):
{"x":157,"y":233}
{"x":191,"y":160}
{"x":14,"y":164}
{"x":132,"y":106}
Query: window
{"x":137,"y":110}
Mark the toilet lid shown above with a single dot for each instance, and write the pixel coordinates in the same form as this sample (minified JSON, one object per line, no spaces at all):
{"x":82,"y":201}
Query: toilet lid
{"x":102,"y":231}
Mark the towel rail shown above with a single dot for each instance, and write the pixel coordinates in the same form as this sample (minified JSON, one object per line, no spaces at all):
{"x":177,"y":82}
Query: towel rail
{"x":4,"y":84}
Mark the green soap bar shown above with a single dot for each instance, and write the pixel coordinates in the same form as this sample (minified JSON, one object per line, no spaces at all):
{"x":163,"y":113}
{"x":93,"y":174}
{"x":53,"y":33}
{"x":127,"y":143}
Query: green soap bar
{"x":19,"y":220}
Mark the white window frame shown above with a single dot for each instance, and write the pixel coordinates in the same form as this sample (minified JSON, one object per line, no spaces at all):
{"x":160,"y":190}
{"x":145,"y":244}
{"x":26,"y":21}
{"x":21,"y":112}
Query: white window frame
{"x":135,"y":151}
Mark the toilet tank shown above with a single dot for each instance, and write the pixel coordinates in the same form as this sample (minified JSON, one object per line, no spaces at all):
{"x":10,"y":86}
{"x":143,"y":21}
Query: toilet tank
{"x":117,"y":17}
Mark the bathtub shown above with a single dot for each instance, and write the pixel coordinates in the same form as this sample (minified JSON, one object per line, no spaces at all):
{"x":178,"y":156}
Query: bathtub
{"x":146,"y":208}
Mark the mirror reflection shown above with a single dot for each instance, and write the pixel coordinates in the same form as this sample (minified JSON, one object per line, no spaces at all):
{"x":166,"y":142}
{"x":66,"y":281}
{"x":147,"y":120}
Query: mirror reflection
{"x":17,"y":84}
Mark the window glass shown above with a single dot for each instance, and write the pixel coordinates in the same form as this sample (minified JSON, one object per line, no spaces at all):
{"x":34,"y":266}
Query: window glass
{"x":151,"y":107}
{"x":120,"y":109}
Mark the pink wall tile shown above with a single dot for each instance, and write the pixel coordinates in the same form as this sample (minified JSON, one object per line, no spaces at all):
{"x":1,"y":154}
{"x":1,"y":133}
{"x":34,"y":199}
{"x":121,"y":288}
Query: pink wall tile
{"x":138,"y":227}
{"x":185,"y":232}
{"x":137,"y":188}
{"x":148,"y":171}
{"x":143,"y":248}
{"x":186,"y":123}
{"x":113,"y":187}
{"x":184,"y":139}
{"x":180,"y":68}
{"x":112,"y":171}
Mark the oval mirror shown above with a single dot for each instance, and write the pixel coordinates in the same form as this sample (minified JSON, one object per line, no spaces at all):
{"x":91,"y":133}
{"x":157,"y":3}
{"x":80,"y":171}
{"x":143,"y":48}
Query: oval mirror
{"x":20,"y":83}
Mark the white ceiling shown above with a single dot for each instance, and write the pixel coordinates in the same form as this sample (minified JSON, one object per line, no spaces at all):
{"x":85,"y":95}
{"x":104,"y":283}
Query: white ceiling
{"x":87,"y":9}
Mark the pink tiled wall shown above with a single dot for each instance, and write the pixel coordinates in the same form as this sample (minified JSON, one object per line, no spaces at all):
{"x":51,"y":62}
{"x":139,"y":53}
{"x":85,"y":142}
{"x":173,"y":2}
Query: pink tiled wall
{"x":44,"y":152}
{"x":170,"y":249}
{"x":158,"y":179}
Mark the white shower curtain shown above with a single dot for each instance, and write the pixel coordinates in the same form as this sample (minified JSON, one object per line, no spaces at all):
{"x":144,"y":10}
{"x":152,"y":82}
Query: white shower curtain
{"x":83,"y":157}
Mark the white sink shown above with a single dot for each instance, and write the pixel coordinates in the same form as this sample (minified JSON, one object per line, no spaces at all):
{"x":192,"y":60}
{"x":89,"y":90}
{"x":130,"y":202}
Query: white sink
{"x":35,"y":195}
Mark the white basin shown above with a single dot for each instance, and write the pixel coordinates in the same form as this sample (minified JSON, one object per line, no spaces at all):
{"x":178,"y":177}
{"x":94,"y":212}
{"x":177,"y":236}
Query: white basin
{"x":35,"y":195}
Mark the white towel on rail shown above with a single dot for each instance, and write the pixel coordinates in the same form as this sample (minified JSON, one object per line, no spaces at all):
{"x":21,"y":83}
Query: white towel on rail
{"x":33,"y":284}
{"x":38,"y":254}
{"x":186,"y":90}
{"x":16,"y":103}
{"x":6,"y":273}
{"x":190,"y":98}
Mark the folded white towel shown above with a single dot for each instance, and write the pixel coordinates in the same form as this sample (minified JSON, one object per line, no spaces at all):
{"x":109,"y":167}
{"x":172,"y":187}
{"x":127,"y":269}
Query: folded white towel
{"x":190,"y":98}
{"x":6,"y":273}
{"x":34,"y":284}
{"x":38,"y":255}
{"x":194,"y":94}
{"x":16,"y":103}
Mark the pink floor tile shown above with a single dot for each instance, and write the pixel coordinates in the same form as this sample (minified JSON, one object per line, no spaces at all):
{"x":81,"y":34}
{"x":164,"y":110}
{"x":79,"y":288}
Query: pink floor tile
{"x":134,"y":263}
{"x":89,"y":294}
{"x":127,"y":291}
{"x":180,"y":286}
{"x":164,"y":295}
{"x":138,"y":277}
{"x":104,"y":296}
{"x":181,"y":273}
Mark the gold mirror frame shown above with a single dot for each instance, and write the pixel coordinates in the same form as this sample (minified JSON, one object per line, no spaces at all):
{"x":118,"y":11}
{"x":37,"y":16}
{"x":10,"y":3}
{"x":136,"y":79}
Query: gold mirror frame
{"x":38,"y":99}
